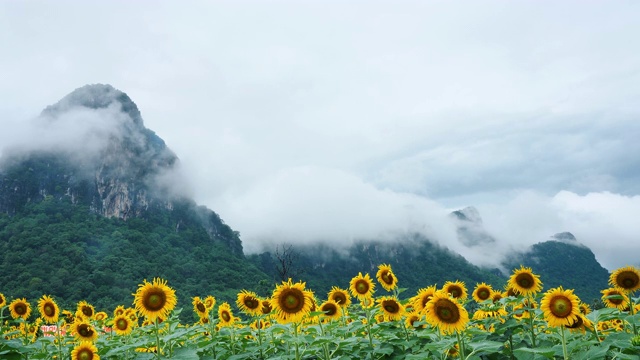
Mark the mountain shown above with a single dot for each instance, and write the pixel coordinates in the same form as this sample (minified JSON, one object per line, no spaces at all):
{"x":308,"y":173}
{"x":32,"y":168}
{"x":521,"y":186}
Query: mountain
{"x":563,"y":261}
{"x":92,"y":208}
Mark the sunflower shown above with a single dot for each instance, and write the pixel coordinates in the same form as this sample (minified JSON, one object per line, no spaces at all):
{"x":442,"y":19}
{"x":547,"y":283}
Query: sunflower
{"x":48,"y":309}
{"x":32,"y":329}
{"x":496,"y":296}
{"x":422,"y":298}
{"x":199,"y":307}
{"x":209,"y":302}
{"x":585,"y":309}
{"x":340,"y":296}
{"x":155,"y":300}
{"x":20,"y":308}
{"x":291,"y":302}
{"x":84,"y":331}
{"x":391,"y":308}
{"x":560,"y":307}
{"x":259,"y":324}
{"x":68,"y":316}
{"x":446,"y":313}
{"x":456,"y":289}
{"x":100,"y":316}
{"x":85,"y":351}
{"x":580,"y":324}
{"x":626,"y":279}
{"x":615,"y":298}
{"x":386,"y":277}
{"x":122,"y":325}
{"x":86,"y":309}
{"x":3,"y":301}
{"x":119,"y":310}
{"x":331,"y":309}
{"x":524,"y":281}
{"x":482,"y":292}
{"x":362,"y":286}
{"x":225,"y":315}
{"x":266,"y":307}
{"x":249,"y":303}
{"x":411,"y":318}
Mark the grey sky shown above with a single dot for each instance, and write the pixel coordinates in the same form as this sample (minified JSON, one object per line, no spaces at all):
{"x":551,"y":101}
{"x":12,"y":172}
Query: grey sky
{"x":337,"y":120}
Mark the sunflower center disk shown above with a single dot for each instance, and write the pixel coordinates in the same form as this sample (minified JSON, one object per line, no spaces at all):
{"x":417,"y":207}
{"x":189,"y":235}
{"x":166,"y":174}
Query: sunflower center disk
{"x":561,"y":307}
{"x":201,"y":307}
{"x":329,"y":310}
{"x":155,"y":301}
{"x":85,"y":355}
{"x":225,"y":316}
{"x":455,"y":292}
{"x":21,"y":309}
{"x":339,"y":298}
{"x":447,"y":312}
{"x":483,"y":294}
{"x":122,"y":324}
{"x":387,"y":278}
{"x":48,"y":310}
{"x":291,"y":302}
{"x":524,"y":280}
{"x":362,"y":287}
{"x":251,"y":303}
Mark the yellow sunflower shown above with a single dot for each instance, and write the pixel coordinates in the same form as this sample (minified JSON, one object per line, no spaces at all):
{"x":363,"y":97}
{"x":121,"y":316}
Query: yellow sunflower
{"x":615,"y":298}
{"x":340,"y":296}
{"x":249,"y":303}
{"x":32,"y":329}
{"x":122,"y":325}
{"x":496,"y":296}
{"x":20,"y":308}
{"x":3,"y":301}
{"x":524,"y":281}
{"x":331,"y":310}
{"x":86,"y":309}
{"x":84,"y":331}
{"x":200,"y":308}
{"x":100,"y":316}
{"x":560,"y":307}
{"x":259,"y":324}
{"x":119,"y":310}
{"x":580,"y":324}
{"x":291,"y":302}
{"x":155,"y":300}
{"x":422,"y":298}
{"x":482,"y":292}
{"x":362,"y":287}
{"x":626,"y":279}
{"x":411,"y":318}
{"x":209,"y":302}
{"x":266,"y":307}
{"x":225,"y":315}
{"x":386,"y":277}
{"x":85,"y":351}
{"x":585,"y":309}
{"x":391,"y":308}
{"x":446,"y":313}
{"x":456,"y":289}
{"x":48,"y":309}
{"x":68,"y":316}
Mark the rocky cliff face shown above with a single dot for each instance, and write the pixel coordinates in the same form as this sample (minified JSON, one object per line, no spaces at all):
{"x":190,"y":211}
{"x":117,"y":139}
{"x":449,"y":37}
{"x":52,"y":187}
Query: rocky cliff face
{"x":98,"y":152}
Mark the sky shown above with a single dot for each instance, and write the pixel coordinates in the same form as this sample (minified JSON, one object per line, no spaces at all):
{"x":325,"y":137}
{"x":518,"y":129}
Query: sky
{"x":335,"y":121}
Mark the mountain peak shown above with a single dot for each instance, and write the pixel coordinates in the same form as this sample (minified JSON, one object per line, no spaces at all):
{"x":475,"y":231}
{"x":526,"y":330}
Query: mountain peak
{"x":96,"y":96}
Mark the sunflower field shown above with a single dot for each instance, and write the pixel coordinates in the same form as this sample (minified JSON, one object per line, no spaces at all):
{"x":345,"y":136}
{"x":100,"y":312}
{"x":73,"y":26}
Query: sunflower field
{"x":359,"y":321}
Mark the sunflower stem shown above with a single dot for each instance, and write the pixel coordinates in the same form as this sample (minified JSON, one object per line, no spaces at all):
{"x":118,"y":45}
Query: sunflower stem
{"x":295,"y":336}
{"x":631,"y":309}
{"x":564,"y":344}
{"x":157,"y":328}
{"x":531,"y":318}
{"x":461,"y":345}
{"x":368,"y":318}
{"x":259,"y":325}
{"x":325,"y":347}
{"x":59,"y":338}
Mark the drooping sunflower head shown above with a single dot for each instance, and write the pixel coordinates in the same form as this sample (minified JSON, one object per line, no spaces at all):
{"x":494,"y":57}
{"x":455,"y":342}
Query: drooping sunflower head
{"x":496,"y":296}
{"x":482,"y":292}
{"x":86,"y":309}
{"x":580,"y":324}
{"x":524,"y":281}
{"x":331,"y":309}
{"x":560,"y":307}
{"x":20,"y":308}
{"x":209,"y":302}
{"x":446,"y":313}
{"x":249,"y":303}
{"x":155,"y":299}
{"x":48,"y":309}
{"x":3,"y":301}
{"x":84,"y":331}
{"x":122,"y":325}
{"x":199,"y":307}
{"x":68,"y":316}
{"x":411,"y":318}
{"x":362,"y":287}
{"x":225,"y":315}
{"x":456,"y":289}
{"x":391,"y":308}
{"x":386,"y":277}
{"x":584,"y":308}
{"x":422,"y":298}
{"x":615,"y":298}
{"x":291,"y":302}
{"x":340,"y":296}
{"x":85,"y":351}
{"x":266,"y":307}
{"x":626,"y":278}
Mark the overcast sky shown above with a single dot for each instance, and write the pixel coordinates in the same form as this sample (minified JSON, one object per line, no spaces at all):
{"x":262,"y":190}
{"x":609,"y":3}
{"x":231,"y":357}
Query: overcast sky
{"x":338,"y":120}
